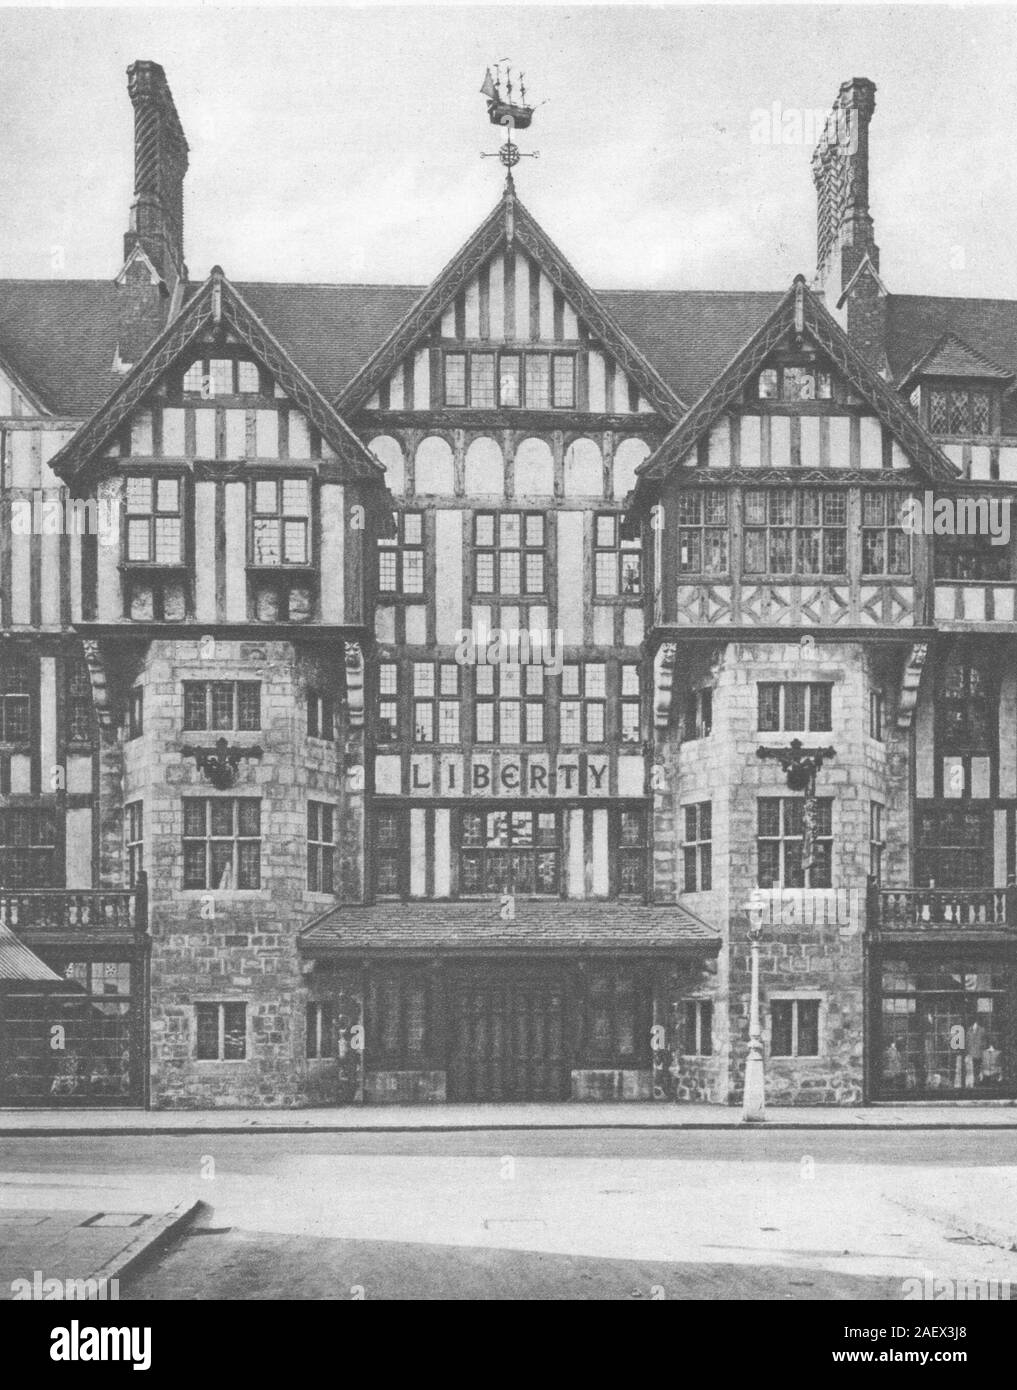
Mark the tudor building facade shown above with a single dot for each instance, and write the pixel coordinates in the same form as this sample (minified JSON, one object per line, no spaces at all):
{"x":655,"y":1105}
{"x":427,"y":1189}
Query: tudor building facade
{"x":288,"y":816}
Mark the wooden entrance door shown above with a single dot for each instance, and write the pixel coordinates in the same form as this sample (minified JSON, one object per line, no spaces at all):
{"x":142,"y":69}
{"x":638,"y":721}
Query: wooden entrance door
{"x":508,"y":1038}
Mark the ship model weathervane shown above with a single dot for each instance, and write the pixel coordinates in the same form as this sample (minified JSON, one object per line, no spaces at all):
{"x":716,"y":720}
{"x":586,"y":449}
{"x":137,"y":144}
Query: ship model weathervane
{"x":503,"y":109}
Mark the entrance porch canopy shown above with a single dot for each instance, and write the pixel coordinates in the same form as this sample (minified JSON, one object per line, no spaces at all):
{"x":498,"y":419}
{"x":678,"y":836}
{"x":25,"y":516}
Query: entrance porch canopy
{"x":539,"y":927}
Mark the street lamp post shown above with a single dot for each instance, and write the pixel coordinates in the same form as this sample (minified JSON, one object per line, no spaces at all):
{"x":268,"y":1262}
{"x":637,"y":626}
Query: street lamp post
{"x":799,"y":766}
{"x":754,"y":1092}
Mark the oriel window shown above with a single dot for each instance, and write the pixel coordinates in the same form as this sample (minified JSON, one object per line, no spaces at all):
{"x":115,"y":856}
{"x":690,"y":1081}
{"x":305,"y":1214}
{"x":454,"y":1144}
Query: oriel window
{"x":280,"y":526}
{"x":703,"y":531}
{"x":154,"y":523}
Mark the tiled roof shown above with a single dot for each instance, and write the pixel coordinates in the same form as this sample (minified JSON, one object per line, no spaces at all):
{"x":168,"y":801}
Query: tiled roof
{"x":17,"y":962}
{"x":59,"y":336}
{"x":539,"y":925}
{"x":690,"y":335}
{"x":916,"y":323}
{"x":952,"y":356}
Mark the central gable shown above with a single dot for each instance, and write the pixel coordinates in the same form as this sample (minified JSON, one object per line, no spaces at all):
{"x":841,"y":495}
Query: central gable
{"x":510,"y":324}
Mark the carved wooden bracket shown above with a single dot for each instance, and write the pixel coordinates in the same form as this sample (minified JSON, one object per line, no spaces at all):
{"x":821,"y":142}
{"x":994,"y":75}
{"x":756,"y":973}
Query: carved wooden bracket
{"x":355,"y":684}
{"x":663,"y":682}
{"x":911,"y":679}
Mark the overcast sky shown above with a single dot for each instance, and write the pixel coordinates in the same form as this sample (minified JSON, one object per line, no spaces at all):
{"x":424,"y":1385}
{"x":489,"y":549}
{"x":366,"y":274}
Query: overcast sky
{"x":343,"y":144}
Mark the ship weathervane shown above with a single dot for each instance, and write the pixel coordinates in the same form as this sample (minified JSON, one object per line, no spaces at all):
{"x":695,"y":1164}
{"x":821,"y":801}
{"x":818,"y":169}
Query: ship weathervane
{"x":505,"y":109}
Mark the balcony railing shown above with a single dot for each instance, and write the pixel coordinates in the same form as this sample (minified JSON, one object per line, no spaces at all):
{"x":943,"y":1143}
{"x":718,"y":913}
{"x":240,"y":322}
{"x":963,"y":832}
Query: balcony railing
{"x":947,"y":909}
{"x":74,"y":909}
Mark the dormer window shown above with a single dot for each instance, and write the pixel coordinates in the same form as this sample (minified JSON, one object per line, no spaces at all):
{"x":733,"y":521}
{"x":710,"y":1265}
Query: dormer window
{"x":960,"y":410}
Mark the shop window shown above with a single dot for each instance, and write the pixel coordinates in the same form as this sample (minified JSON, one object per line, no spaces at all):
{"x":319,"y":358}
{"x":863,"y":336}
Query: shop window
{"x":944,"y":1027}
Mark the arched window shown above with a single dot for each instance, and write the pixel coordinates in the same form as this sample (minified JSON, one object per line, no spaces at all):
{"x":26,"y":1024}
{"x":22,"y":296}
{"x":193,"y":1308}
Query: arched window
{"x":967,"y":729}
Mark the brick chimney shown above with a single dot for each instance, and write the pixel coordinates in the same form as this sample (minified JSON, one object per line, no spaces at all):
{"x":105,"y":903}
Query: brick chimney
{"x":840,"y":171}
{"x":847,"y":257}
{"x":160,"y":163}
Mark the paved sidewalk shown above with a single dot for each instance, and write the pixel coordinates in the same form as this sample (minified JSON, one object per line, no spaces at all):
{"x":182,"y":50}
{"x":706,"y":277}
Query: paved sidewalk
{"x":78,"y":1248}
{"x":633,"y":1115}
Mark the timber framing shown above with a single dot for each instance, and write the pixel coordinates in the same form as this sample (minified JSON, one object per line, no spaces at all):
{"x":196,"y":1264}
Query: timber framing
{"x":216,"y":307}
{"x":509,"y":224}
{"x":800,"y":312}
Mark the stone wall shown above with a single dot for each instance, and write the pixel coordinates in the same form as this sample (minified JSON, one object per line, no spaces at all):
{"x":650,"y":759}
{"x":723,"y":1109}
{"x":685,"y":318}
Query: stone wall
{"x":238,"y":944}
